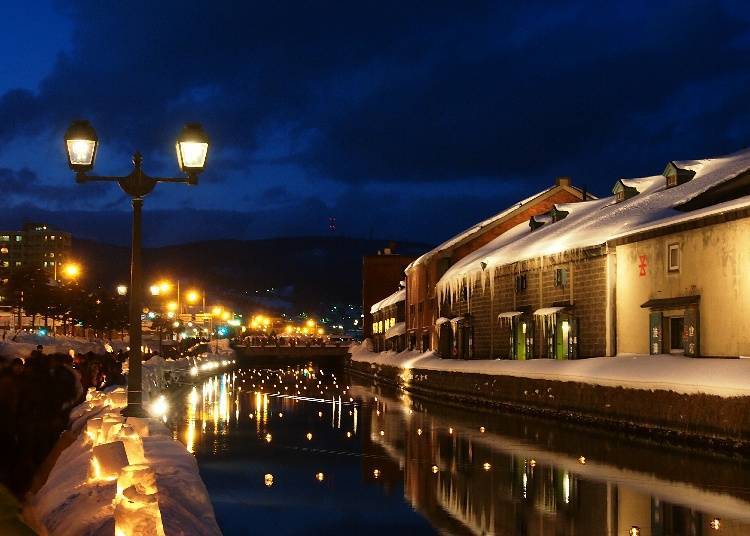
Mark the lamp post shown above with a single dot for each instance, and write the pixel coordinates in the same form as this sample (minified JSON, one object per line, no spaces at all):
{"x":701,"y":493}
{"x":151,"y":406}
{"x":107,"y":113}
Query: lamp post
{"x":81,"y":143}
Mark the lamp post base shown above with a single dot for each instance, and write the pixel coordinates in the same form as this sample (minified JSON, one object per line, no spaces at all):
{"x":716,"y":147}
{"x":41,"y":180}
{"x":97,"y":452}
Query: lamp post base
{"x":134,"y":410}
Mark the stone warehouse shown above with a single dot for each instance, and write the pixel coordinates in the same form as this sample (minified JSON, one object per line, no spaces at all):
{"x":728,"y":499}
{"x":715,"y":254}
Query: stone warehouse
{"x":423,"y":274}
{"x":659,"y":267}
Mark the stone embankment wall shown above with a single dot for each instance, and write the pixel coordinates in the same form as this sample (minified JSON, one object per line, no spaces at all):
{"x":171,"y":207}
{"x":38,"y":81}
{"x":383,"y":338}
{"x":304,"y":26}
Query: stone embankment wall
{"x":695,"y":418}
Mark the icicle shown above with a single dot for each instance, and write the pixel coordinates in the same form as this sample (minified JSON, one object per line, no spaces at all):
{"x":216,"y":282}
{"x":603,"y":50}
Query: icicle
{"x":492,"y":283}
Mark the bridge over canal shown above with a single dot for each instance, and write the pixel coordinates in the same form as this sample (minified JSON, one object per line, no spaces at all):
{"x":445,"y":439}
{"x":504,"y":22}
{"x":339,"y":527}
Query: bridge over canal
{"x":281,"y":356}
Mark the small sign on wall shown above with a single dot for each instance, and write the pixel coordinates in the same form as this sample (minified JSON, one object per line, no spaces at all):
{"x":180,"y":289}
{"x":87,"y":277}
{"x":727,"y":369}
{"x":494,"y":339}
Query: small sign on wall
{"x":642,"y":265}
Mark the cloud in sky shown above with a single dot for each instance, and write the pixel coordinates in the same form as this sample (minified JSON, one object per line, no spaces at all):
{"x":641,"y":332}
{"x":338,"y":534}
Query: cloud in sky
{"x":366,"y":110}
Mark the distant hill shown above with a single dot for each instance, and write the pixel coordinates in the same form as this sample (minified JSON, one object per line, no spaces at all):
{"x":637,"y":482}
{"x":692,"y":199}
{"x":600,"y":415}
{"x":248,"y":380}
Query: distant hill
{"x":302,"y":271}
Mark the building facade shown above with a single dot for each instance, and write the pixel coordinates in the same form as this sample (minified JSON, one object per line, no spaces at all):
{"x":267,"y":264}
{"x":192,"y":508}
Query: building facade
{"x":658,"y":268}
{"x":684,"y":289}
{"x":388,"y":322}
{"x":423,"y":275}
{"x":381,"y":276}
{"x":35,"y":246}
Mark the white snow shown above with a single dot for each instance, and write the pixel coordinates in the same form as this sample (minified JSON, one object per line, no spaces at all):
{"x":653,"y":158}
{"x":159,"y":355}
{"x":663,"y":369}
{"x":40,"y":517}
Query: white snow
{"x":509,"y":314}
{"x":396,"y":297}
{"x":684,"y":375}
{"x":547,"y":311}
{"x":71,"y":502}
{"x":397,"y":329}
{"x":26,"y":342}
{"x":593,"y":223}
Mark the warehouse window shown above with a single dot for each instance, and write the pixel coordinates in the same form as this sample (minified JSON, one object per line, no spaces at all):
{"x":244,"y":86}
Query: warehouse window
{"x":673,"y":258}
{"x":521,"y":283}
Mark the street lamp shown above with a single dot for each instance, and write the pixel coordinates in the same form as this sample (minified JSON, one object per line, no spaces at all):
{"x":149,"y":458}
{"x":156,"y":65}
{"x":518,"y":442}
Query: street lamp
{"x":122,"y":290}
{"x":81,"y":143}
{"x":192,"y":297}
{"x":71,"y":270}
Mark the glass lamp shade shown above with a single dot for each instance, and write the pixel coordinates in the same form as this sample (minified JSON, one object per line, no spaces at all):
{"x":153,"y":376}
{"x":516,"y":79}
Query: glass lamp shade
{"x":81,"y":144}
{"x":192,"y":148}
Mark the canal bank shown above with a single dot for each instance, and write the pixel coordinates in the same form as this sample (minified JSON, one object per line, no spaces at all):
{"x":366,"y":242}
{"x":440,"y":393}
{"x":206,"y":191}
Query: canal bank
{"x":357,"y":455}
{"x":695,"y":401}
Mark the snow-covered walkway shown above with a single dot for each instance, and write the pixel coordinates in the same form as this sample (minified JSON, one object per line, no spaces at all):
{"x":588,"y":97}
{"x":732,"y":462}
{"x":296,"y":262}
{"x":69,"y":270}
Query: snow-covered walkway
{"x":121,"y":477}
{"x":722,"y":377}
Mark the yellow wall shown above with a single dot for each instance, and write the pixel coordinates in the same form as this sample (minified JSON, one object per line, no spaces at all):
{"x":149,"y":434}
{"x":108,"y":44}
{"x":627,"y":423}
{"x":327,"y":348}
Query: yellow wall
{"x":715,"y":263}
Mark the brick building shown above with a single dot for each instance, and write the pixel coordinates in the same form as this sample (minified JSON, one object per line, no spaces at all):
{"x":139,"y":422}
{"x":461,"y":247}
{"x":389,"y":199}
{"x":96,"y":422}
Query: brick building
{"x":653,"y":269}
{"x":381,"y":276}
{"x":423,"y":274}
{"x":388,"y":322}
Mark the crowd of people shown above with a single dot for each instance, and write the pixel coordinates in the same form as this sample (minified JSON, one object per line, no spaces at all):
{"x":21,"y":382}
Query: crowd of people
{"x":36,"y":397}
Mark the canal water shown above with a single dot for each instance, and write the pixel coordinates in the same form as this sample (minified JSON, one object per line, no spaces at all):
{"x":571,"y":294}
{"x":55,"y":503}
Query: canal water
{"x":308,"y":451}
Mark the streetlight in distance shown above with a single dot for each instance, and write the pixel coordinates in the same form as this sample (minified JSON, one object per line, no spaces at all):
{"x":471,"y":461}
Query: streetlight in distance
{"x":192,"y":297}
{"x":81,"y":145}
{"x":71,"y":270}
{"x":122,"y":290}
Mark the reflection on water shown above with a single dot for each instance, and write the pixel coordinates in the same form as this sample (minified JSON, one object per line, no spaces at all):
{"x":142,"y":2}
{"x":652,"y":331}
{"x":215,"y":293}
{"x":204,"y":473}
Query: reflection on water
{"x":302,"y":450}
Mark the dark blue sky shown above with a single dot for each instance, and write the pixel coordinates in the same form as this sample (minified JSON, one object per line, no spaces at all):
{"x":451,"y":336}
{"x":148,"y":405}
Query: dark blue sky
{"x":409,"y":120}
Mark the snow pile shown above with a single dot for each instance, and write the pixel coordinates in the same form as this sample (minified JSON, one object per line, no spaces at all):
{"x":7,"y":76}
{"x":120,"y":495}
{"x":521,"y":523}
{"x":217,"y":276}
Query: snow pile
{"x":157,"y":371}
{"x":593,"y":223}
{"x":26,"y":343}
{"x":397,"y":329}
{"x":684,"y":375}
{"x":91,"y":491}
{"x":396,"y":297}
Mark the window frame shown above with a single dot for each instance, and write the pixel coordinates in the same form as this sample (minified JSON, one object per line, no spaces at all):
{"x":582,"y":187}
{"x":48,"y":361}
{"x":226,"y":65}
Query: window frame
{"x":674,"y":246}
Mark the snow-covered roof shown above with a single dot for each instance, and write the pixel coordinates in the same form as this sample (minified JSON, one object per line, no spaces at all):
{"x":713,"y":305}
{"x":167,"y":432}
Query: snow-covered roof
{"x":593,"y":223}
{"x":509,"y":314}
{"x":442,"y":320}
{"x":398,"y":296}
{"x":478,"y":227}
{"x":396,"y":330}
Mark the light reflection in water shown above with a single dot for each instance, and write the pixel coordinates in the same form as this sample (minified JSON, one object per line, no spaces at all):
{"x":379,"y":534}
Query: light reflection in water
{"x":466,"y":472}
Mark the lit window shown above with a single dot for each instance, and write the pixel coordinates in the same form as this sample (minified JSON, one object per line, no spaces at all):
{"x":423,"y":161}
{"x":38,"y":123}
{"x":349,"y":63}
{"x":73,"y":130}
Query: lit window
{"x":19,"y":238}
{"x":18,"y":263}
{"x":673,"y":258}
{"x":4,"y":264}
{"x":3,"y":250}
{"x":5,"y":238}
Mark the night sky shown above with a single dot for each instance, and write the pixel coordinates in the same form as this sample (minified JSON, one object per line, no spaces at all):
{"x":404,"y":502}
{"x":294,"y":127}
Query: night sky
{"x":404,"y":120}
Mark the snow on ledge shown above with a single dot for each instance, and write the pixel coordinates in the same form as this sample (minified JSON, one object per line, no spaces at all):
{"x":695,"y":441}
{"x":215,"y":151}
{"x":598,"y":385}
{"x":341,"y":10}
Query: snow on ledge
{"x":396,"y":297}
{"x":684,"y":375}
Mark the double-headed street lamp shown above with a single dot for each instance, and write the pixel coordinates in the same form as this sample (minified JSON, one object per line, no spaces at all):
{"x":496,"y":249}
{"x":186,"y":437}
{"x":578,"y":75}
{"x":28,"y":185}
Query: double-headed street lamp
{"x":81,"y":144}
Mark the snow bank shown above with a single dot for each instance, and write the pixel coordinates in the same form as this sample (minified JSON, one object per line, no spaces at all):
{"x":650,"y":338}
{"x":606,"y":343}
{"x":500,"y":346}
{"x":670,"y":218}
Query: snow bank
{"x":26,"y":342}
{"x":78,"y":499}
{"x":684,"y":375}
